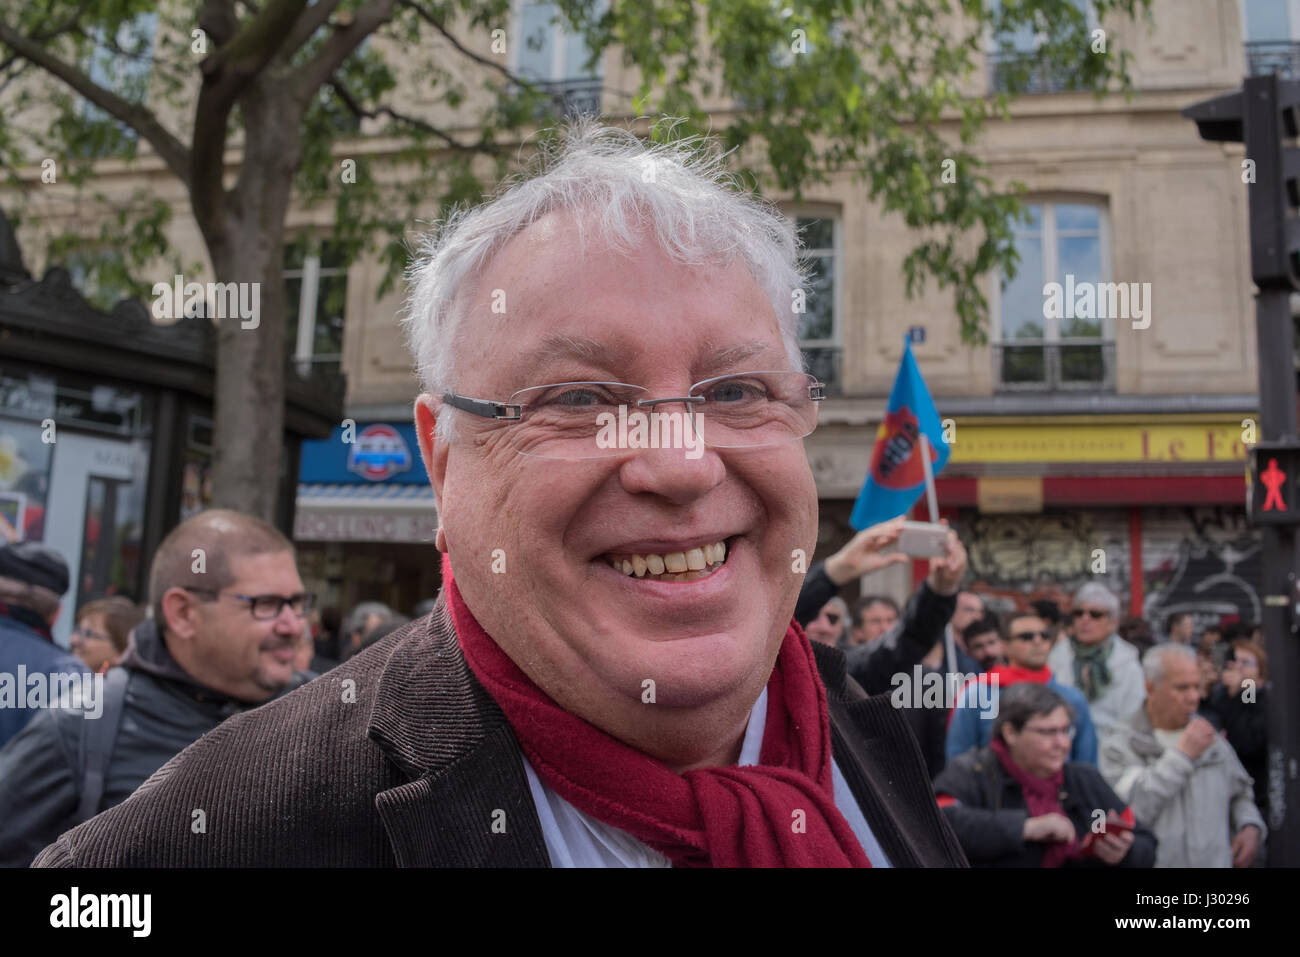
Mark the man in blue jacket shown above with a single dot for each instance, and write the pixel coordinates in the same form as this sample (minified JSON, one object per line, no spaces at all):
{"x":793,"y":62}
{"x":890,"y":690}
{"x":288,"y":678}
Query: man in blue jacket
{"x":33,"y":579}
{"x":1027,"y":646}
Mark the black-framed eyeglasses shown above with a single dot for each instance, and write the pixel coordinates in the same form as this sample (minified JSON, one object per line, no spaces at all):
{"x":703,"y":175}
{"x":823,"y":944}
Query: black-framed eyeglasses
{"x":1031,"y":635}
{"x":585,"y":420}
{"x":1094,"y":613}
{"x":266,"y":607}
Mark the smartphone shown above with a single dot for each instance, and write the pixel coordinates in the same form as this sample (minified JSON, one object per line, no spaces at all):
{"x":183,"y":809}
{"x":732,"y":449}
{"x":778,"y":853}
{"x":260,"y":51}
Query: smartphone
{"x":923,"y":540}
{"x":1114,"y":823}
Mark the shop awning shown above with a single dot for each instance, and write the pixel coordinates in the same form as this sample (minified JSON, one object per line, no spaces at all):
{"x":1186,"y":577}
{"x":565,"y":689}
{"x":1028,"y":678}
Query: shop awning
{"x":337,"y":512}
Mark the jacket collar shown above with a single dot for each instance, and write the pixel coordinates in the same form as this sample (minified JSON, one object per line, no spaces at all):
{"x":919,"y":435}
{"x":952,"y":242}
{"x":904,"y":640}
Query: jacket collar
{"x":1145,"y":744}
{"x":467,"y":801}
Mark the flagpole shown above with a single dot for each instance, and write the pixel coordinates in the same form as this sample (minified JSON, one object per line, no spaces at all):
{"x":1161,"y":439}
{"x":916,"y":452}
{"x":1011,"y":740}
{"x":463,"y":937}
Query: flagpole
{"x":930,"y":498}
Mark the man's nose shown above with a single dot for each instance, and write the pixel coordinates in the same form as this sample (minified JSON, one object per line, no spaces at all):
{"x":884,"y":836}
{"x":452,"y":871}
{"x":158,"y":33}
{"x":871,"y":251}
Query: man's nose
{"x":287,"y":623}
{"x":672,"y":473}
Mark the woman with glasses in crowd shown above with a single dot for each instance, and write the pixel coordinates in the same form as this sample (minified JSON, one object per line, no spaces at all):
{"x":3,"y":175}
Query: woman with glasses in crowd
{"x":1020,"y":803}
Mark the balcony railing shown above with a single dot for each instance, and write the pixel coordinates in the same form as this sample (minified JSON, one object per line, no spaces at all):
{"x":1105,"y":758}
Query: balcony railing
{"x":1018,"y":69}
{"x":824,"y":363}
{"x":575,"y":97}
{"x":1282,"y":58}
{"x":1068,"y":365}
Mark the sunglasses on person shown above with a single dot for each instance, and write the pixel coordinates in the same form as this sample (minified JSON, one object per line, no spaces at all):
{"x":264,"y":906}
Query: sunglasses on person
{"x":833,"y":617}
{"x":1095,"y":613}
{"x":1031,"y":636}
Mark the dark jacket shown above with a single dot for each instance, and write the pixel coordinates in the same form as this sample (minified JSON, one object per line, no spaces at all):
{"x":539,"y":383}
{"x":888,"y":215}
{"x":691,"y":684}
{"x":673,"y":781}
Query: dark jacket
{"x":400,"y":757}
{"x":1247,"y":725}
{"x":41,"y":769}
{"x":920,"y":626}
{"x":989,"y":814}
{"x":21,"y":644}
{"x":816,"y":591}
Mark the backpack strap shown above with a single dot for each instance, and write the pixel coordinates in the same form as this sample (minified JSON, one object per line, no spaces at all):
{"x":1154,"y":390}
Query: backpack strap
{"x":97,"y":743}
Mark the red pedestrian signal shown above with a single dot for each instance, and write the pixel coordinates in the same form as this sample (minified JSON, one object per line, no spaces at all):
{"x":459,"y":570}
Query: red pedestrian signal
{"x":1272,"y":498}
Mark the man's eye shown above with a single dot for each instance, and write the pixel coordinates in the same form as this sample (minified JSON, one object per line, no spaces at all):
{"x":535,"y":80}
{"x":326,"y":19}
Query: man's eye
{"x":574,"y":398}
{"x":736,"y":391}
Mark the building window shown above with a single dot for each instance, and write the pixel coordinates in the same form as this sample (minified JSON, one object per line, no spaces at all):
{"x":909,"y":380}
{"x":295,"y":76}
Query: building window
{"x":1013,"y":59}
{"x":1039,"y":346}
{"x":1271,"y":46}
{"x":819,"y":333}
{"x":124,"y":66}
{"x":555,"y":58}
{"x":316,"y":283}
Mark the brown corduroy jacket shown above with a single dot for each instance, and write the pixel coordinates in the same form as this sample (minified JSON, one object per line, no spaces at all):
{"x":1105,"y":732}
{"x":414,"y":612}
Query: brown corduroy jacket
{"x":400,"y":757}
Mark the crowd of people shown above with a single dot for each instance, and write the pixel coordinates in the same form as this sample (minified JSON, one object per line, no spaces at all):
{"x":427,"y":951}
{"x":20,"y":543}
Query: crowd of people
{"x":1059,"y":721}
{"x":233,"y":641}
{"x":1074,"y":736}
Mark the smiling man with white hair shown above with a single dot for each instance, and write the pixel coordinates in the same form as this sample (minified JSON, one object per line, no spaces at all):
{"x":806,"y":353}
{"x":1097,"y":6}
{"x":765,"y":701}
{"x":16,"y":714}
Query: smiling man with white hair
{"x":1097,"y":661}
{"x":611,"y":675}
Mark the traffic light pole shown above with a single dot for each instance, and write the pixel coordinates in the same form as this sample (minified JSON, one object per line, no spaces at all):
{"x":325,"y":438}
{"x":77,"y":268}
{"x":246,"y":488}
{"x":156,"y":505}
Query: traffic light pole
{"x":1265,"y":115}
{"x":1277,"y":422}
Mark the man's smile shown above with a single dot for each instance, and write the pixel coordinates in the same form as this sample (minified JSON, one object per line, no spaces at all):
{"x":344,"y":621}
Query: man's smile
{"x":669,"y":563}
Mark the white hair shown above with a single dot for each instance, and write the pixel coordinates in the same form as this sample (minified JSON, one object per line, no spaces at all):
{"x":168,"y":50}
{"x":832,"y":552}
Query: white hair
{"x":1153,"y":662}
{"x":1095,"y":593}
{"x":606,"y":178}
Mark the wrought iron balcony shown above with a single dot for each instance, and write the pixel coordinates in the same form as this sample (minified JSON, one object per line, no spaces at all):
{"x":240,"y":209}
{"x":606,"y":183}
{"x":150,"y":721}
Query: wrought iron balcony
{"x":824,"y":363}
{"x":1018,"y":72}
{"x":1280,"y":57}
{"x":579,"y":96}
{"x":1068,"y":365}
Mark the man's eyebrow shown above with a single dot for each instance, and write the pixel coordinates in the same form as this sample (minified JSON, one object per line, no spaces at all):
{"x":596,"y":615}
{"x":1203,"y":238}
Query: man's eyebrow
{"x":560,"y":347}
{"x":725,"y":359}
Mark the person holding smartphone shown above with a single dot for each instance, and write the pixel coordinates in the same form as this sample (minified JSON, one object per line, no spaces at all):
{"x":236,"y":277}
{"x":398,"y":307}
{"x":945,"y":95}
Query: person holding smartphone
{"x":1020,"y":803}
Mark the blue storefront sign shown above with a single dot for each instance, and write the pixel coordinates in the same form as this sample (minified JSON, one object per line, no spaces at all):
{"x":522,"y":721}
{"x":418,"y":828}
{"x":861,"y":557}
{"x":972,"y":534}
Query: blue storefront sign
{"x":380,"y":452}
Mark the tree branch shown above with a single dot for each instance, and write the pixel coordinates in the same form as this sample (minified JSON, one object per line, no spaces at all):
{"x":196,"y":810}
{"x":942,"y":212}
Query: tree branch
{"x":311,"y":20}
{"x":219,"y":21}
{"x":356,"y":108}
{"x":313,"y":74}
{"x":139,"y":118}
{"x":433,"y":21}
{"x":226,"y":74}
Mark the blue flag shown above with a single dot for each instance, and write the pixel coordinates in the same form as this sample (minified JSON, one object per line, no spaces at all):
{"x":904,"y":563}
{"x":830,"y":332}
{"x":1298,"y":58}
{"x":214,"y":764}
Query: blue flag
{"x":897,"y":476}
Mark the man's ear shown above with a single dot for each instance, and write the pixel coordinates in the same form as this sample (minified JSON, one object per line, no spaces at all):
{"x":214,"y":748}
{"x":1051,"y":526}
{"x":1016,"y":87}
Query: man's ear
{"x":433,"y":452}
{"x":180,"y":613}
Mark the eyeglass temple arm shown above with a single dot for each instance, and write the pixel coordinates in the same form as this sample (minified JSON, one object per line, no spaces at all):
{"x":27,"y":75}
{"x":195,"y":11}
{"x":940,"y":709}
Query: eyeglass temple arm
{"x":484,"y":407}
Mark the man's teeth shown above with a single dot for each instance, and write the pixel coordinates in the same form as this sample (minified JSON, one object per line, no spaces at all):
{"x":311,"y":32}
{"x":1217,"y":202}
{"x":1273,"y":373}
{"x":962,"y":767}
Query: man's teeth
{"x":674,"y":566}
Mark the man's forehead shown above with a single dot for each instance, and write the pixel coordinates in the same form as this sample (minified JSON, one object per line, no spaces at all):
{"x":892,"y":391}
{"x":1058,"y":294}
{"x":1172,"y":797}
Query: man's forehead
{"x":712,"y":356}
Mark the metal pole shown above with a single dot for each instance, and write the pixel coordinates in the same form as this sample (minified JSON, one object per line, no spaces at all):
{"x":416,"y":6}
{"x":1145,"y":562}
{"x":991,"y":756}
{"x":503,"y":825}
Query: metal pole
{"x":1277,"y":414}
{"x":1275,"y":341}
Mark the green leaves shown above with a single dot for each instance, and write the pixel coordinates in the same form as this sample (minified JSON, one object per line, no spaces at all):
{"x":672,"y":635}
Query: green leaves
{"x":887,"y":90}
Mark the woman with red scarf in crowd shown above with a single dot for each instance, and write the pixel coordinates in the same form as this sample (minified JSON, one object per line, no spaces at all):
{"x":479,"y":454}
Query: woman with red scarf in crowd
{"x":1019,"y":803}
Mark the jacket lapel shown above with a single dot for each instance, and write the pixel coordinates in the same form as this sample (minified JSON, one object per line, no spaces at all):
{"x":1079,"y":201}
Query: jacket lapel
{"x":467,"y":801}
{"x":872,"y":744}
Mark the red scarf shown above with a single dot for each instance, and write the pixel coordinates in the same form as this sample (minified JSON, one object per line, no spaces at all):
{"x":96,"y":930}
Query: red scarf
{"x":1042,"y":796}
{"x":1009,"y":675}
{"x":780,"y":813}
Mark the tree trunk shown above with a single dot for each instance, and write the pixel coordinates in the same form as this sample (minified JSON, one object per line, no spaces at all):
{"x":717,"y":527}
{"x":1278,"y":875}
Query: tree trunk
{"x":247,"y":247}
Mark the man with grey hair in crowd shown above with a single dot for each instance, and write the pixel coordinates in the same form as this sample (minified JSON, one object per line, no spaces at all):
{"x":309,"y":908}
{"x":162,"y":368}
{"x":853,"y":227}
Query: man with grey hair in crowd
{"x":1097,"y":661}
{"x":612,"y":424}
{"x":1180,"y":776}
{"x":362,"y":618}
